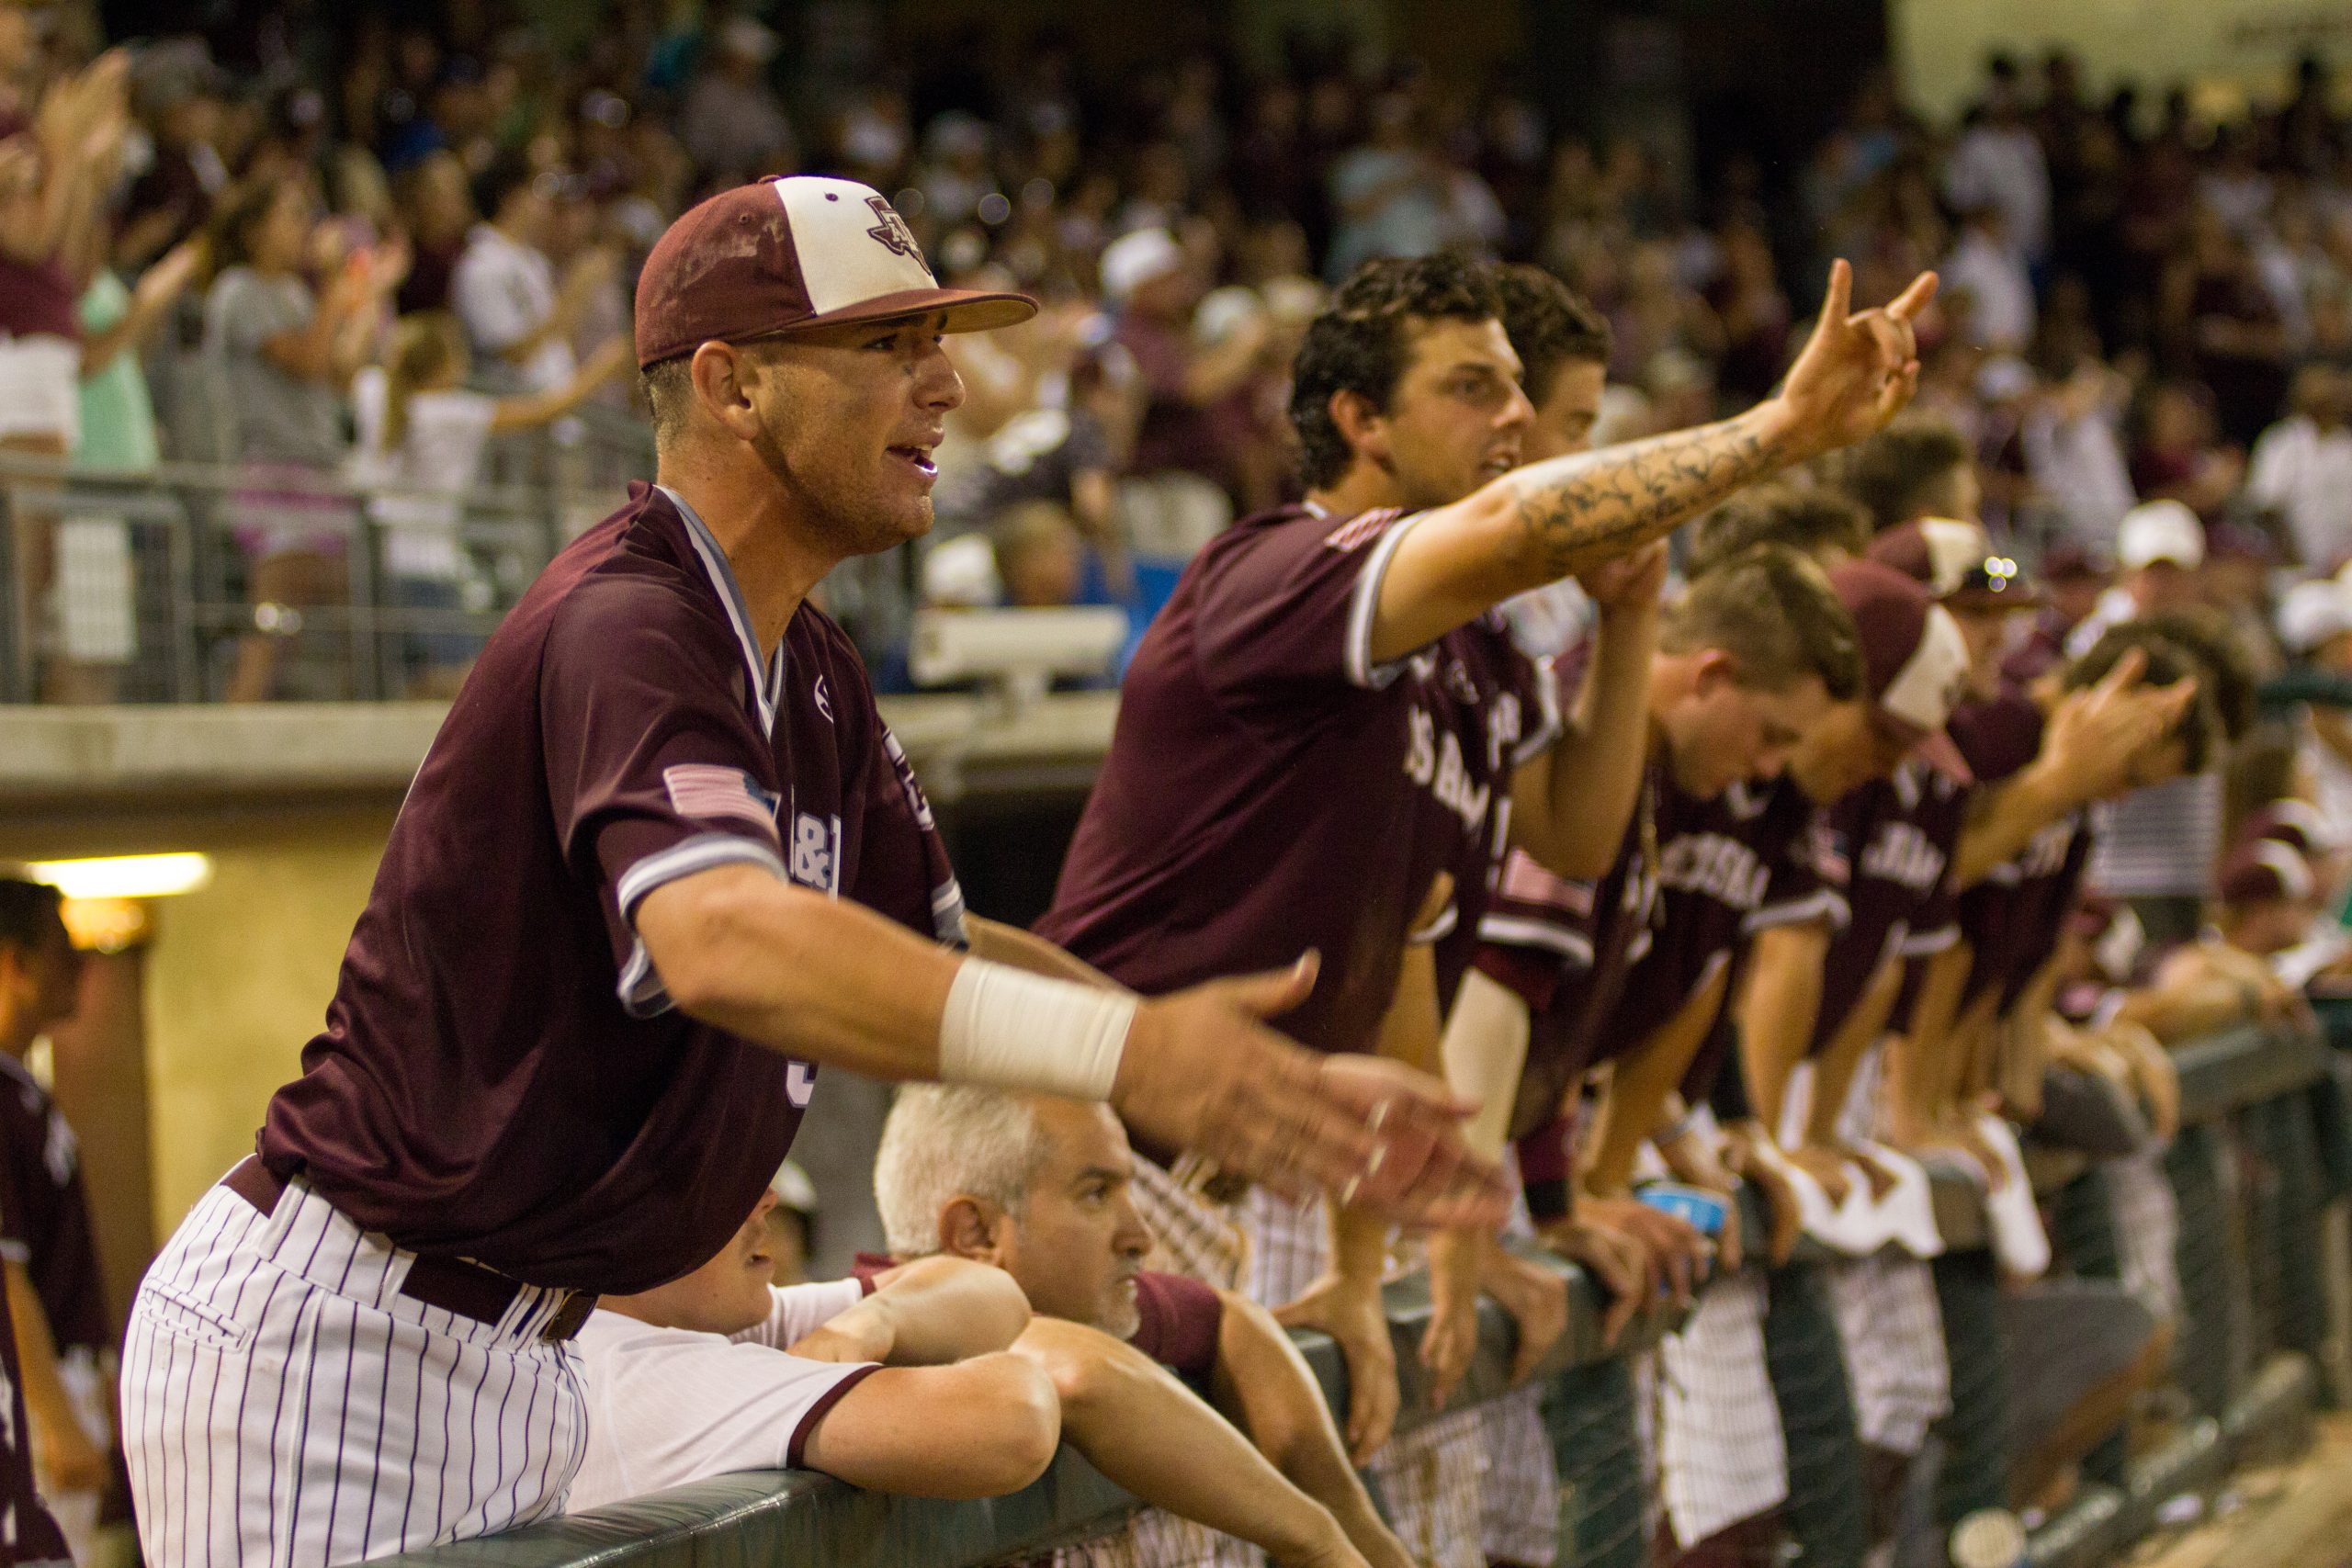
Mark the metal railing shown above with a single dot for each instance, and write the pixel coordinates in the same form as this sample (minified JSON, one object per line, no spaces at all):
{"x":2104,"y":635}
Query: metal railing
{"x":153,"y":585}
{"x":2250,"y":1098}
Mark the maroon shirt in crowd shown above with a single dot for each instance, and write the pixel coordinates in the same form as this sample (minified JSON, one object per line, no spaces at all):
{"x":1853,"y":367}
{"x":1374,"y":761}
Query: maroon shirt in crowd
{"x":28,"y":1536}
{"x":45,"y":1214}
{"x":1177,"y":1320}
{"x":502,"y":1076}
{"x":1892,"y":840}
{"x":1270,"y":789}
{"x":36,"y":299}
{"x":2013,"y":918}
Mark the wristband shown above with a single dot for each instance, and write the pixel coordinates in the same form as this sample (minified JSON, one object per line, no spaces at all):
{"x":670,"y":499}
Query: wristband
{"x":1009,"y":1029}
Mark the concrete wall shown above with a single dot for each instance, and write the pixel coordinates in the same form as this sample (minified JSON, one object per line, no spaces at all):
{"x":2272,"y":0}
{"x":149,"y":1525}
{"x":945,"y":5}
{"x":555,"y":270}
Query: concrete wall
{"x":238,"y":980}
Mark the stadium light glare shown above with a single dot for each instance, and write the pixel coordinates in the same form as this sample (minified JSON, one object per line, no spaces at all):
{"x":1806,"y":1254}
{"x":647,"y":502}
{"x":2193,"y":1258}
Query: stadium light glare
{"x":126,"y":876}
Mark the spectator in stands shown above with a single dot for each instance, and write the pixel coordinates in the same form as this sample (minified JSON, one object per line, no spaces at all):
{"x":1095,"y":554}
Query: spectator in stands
{"x":2176,"y":455}
{"x":2301,"y":468}
{"x":437,"y":210}
{"x":283,"y":356}
{"x":1398,"y":196}
{"x":1037,"y":1186}
{"x":733,"y":124}
{"x":422,"y":433}
{"x":1040,"y":557}
{"x":1998,"y":162}
{"x":1989,"y":267}
{"x":1153,"y":285}
{"x":2072,"y":440}
{"x":2217,"y":312}
{"x":520,"y":319}
{"x":65,"y":1345}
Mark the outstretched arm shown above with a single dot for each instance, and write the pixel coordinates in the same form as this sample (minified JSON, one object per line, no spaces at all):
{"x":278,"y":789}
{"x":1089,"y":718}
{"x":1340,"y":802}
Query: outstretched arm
{"x":1141,"y":1428}
{"x":826,"y":980}
{"x":1263,"y":1384}
{"x":1538,"y":523}
{"x":927,"y":1313}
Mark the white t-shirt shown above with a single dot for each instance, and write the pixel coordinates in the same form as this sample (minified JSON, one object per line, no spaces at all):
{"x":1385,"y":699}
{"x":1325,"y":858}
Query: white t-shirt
{"x":2305,"y":474}
{"x":439,"y":455}
{"x":504,"y":290}
{"x":667,"y":1406}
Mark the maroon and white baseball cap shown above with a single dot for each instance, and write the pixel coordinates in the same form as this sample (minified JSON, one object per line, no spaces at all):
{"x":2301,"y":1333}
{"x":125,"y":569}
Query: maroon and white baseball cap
{"x":1954,"y":559}
{"x":790,"y":253}
{"x":1914,"y":660}
{"x":2262,"y":870}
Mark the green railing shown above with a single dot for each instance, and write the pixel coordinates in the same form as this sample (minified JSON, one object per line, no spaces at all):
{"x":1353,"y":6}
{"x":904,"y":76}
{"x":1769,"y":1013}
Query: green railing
{"x":2247,"y":1250}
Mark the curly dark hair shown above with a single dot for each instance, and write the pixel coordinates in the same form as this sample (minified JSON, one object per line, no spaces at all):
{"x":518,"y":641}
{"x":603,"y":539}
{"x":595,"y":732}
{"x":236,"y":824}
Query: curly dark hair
{"x":1895,"y":472}
{"x":1361,"y":344}
{"x":1775,"y":613}
{"x":1812,"y":520}
{"x":1548,"y":325}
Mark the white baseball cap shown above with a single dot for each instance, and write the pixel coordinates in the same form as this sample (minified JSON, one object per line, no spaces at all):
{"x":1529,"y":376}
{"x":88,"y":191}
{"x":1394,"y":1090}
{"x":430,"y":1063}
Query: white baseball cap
{"x":1133,"y":260}
{"x":2311,"y":613}
{"x":2160,"y":530}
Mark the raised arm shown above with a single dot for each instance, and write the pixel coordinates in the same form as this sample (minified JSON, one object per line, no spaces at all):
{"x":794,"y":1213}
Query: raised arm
{"x":1570,"y":802}
{"x":1538,"y":523}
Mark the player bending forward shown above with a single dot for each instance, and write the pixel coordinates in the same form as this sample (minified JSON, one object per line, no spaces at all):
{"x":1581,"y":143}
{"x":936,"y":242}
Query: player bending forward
{"x":663,"y":859}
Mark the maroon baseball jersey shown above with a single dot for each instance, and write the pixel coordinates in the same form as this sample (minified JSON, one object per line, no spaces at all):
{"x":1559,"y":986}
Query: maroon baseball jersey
{"x":45,"y":1214}
{"x":501,"y":1076}
{"x":2014,"y":918}
{"x":28,"y":1535}
{"x":1177,"y":1319}
{"x":1893,"y":839}
{"x":1271,"y":789}
{"x":1565,"y":947}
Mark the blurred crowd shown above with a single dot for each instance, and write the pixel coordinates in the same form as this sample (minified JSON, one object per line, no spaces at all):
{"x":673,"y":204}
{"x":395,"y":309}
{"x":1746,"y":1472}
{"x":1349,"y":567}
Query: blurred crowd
{"x":366,"y":247}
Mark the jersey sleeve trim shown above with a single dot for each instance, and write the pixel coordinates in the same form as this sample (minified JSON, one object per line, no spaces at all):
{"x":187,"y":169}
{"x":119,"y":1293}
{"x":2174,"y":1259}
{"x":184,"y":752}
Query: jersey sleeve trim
{"x":640,"y":989}
{"x":1822,"y":903}
{"x":1514,"y":930}
{"x":1924,"y":945}
{"x":1362,"y":605}
{"x":822,"y":1406}
{"x":1437,"y":930}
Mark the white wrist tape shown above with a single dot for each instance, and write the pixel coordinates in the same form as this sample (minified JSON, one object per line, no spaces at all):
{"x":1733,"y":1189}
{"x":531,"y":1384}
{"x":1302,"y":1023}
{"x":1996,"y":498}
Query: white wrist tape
{"x":1011,"y":1029}
{"x":1484,"y":1050}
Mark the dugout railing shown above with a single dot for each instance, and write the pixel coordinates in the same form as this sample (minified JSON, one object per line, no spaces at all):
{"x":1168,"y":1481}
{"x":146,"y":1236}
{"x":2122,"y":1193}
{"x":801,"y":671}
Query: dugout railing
{"x":2261,"y":1162}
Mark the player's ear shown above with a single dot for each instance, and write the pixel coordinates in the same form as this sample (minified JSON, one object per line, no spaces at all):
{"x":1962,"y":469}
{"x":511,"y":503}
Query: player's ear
{"x":969,"y":1228}
{"x":1713,"y":668}
{"x":1362,"y":425}
{"x":722,"y":375}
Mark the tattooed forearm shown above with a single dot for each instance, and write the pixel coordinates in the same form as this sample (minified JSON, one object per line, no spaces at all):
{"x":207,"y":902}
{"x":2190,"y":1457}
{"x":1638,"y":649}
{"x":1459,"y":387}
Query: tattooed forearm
{"x":1618,"y":498}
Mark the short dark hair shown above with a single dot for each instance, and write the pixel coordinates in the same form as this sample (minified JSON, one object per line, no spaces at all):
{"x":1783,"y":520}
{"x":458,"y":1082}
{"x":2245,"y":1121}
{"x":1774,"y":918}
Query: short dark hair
{"x":1893,"y":472}
{"x":1775,"y":613}
{"x":1548,"y":325}
{"x":669,"y":389}
{"x":2169,"y":660}
{"x":28,"y":912}
{"x":1360,"y":344}
{"x":2207,"y":634}
{"x":1806,"y":519}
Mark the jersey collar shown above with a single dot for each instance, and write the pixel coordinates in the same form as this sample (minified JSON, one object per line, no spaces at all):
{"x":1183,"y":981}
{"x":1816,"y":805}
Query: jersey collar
{"x":766,"y":684}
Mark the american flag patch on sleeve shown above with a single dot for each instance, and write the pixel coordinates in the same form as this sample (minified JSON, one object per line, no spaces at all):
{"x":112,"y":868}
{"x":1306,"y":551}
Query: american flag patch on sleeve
{"x":710,"y":789}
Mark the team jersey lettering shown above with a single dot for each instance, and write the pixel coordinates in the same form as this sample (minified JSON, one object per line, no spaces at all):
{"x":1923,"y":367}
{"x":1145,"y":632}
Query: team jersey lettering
{"x":1716,"y":865}
{"x":799,"y":1083}
{"x":1901,"y":853}
{"x":816,"y":852}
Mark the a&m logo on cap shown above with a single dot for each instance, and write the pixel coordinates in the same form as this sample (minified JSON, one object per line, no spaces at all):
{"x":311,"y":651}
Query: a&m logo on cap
{"x":892,"y":232}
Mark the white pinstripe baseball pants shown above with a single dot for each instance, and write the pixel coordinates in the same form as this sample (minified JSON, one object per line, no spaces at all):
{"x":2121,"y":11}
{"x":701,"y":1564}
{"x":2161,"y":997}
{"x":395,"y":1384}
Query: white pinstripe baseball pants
{"x":284,"y":1404}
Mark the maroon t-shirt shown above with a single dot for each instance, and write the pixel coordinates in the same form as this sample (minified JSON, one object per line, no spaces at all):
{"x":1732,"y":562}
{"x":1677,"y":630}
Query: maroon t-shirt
{"x":2014,"y":918}
{"x":1894,"y":840}
{"x":501,"y":1076}
{"x":37,"y":297}
{"x":1270,"y":789}
{"x":1177,"y":1320}
{"x":45,"y":1214}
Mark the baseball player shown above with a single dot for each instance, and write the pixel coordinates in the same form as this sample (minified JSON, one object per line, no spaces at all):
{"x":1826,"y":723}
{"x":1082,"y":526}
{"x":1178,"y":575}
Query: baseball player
{"x":1327,"y":716}
{"x":661,"y":861}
